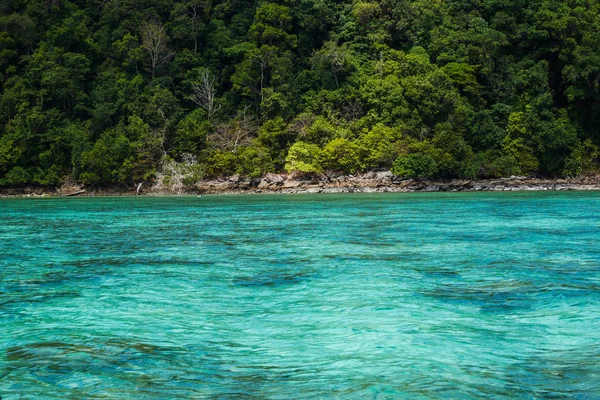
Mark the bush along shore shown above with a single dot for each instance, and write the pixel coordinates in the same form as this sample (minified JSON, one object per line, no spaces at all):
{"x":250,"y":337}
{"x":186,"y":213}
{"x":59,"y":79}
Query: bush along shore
{"x":372,"y":182}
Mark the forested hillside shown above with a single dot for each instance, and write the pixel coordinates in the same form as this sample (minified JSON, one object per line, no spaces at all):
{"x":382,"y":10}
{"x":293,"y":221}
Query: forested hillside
{"x":123,"y":91}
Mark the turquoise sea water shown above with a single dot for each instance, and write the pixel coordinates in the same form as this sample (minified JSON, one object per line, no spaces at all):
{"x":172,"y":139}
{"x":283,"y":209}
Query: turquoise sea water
{"x":301,"y":296}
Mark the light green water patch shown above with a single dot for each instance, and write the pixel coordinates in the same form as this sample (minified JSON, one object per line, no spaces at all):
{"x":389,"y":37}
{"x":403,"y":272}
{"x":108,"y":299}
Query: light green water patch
{"x":445,"y":295}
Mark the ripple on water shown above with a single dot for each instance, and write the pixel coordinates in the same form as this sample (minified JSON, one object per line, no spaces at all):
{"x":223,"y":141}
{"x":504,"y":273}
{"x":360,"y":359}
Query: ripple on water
{"x":353,"y":296}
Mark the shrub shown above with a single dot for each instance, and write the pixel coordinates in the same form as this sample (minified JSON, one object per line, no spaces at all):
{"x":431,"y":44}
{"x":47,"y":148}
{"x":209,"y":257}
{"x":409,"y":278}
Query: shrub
{"x":254,"y":161}
{"x":415,"y":165}
{"x":580,"y":159}
{"x":305,"y":158}
{"x":340,"y":155}
{"x":377,"y":147}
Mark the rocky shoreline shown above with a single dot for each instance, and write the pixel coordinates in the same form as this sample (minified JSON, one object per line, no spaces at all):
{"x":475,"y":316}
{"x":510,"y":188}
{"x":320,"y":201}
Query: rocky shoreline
{"x":372,"y":182}
{"x":382,"y":182}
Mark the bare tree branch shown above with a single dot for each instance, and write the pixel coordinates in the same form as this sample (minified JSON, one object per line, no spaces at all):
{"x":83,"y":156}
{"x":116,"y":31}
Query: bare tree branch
{"x":154,"y":41}
{"x":205,"y":93}
{"x":239,"y":132}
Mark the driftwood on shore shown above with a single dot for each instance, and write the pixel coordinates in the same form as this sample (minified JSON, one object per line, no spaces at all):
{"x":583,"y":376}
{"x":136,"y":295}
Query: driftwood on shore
{"x":70,"y":189}
{"x":77,"y":193}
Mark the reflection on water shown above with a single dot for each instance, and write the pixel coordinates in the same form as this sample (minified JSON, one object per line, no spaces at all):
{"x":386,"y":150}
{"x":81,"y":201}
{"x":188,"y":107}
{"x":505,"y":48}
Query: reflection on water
{"x":351,"y":296}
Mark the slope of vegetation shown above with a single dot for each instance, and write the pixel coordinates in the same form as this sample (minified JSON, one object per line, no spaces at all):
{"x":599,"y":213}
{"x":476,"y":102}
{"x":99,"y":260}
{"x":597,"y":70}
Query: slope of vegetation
{"x":118,"y":91}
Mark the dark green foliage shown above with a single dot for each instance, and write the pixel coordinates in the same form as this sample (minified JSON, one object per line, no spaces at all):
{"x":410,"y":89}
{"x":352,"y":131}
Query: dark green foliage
{"x":109,"y":160}
{"x":416,"y":166}
{"x":276,"y":139}
{"x":115,"y":92}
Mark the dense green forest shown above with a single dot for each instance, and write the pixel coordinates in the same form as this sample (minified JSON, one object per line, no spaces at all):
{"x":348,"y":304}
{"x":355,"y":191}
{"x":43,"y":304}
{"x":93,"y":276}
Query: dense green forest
{"x":122,"y":91}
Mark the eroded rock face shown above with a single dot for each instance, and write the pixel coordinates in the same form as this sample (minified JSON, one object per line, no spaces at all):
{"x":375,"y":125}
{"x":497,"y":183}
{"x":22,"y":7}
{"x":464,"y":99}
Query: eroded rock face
{"x":291,"y":184}
{"x":271,"y":181}
{"x":370,"y":175}
{"x":274,"y":178}
{"x":296,"y":176}
{"x":384,"y":176}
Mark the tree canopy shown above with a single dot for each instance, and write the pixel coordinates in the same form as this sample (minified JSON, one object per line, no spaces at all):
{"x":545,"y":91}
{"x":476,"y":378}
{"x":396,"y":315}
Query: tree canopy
{"x":103,"y":92}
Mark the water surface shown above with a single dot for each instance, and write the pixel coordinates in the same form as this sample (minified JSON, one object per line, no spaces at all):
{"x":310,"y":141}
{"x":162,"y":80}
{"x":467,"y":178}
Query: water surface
{"x":301,"y":296}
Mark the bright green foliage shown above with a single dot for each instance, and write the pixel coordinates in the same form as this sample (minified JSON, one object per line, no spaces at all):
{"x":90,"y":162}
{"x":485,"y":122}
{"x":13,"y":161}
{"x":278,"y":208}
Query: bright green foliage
{"x":254,"y":161}
{"x":377,"y":148}
{"x":106,"y":92}
{"x":272,"y":25}
{"x":515,"y":147}
{"x":341,"y":155}
{"x":463,"y":76}
{"x":580,"y":159}
{"x":305,"y":158}
{"x":221,"y":163}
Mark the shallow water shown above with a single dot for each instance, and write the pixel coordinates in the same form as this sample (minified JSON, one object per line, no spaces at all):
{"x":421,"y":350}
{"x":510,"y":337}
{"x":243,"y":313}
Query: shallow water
{"x":301,"y":296}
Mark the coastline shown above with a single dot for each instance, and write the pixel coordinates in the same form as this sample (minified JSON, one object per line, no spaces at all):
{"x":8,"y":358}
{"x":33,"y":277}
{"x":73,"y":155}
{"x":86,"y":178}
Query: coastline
{"x":372,"y":182}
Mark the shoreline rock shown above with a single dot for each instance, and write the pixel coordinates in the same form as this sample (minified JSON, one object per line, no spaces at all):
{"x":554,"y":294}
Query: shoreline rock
{"x":371,"y":182}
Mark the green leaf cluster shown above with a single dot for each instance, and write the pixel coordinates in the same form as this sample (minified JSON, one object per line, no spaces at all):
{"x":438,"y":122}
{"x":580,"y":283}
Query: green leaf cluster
{"x":112,"y":92}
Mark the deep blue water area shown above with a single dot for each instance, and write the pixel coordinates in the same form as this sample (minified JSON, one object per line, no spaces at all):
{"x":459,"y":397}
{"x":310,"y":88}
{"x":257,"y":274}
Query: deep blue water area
{"x":463,"y":295}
